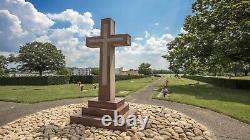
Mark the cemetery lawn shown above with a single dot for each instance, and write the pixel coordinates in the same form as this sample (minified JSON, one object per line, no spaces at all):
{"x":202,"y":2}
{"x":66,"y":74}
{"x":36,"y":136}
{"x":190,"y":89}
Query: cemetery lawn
{"x":232,"y":102}
{"x":34,"y":94}
{"x":240,"y":78}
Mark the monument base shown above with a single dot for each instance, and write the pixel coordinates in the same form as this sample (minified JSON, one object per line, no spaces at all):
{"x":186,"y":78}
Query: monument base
{"x":92,"y":115}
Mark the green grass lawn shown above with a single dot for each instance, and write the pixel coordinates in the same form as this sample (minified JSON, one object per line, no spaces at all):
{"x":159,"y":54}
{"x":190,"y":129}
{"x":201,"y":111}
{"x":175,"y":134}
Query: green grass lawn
{"x":232,"y":102}
{"x":33,"y":94}
{"x":240,"y":78}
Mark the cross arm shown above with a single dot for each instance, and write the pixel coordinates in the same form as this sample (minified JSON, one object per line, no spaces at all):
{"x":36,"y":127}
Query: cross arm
{"x":120,"y":40}
{"x":93,"y":42}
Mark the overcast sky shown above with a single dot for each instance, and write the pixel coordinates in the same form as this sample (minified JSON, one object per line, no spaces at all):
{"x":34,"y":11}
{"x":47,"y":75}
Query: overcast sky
{"x":66,"y":23}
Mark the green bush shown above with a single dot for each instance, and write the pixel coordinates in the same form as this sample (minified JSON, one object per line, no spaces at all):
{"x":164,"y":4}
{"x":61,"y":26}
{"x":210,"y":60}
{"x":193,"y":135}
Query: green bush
{"x":58,"y":80}
{"x":35,"y":80}
{"x":128,"y":77}
{"x":86,"y":79}
{"x":229,"y":83}
{"x":90,"y":79}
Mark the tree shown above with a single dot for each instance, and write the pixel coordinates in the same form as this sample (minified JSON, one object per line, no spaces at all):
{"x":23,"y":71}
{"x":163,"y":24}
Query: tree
{"x":217,"y":37}
{"x":95,"y":71}
{"x":145,"y":68}
{"x":154,"y":71}
{"x":64,"y":71}
{"x":12,"y":58}
{"x":3,"y":64}
{"x":37,"y":56}
{"x":246,"y":68}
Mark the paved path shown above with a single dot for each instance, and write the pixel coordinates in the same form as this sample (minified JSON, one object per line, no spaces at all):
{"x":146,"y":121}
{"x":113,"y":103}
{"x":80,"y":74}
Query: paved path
{"x":223,"y":127}
{"x":10,"y":111}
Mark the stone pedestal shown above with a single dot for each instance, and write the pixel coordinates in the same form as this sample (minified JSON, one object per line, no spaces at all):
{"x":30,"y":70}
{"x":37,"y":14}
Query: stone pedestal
{"x":92,"y":115}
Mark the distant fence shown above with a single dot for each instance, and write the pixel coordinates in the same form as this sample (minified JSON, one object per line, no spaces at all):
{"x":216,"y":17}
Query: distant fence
{"x":229,"y":83}
{"x":58,"y":80}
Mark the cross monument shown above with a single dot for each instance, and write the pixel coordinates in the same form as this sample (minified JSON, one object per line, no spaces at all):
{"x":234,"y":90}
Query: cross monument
{"x":106,"y":103}
{"x":107,"y":43}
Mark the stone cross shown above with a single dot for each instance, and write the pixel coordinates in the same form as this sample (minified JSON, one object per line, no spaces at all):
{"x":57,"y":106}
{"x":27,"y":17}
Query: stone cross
{"x":107,"y":43}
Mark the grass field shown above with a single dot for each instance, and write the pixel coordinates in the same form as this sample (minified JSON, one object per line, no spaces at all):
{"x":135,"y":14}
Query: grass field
{"x":33,"y":94}
{"x":240,"y":78}
{"x":232,"y":102}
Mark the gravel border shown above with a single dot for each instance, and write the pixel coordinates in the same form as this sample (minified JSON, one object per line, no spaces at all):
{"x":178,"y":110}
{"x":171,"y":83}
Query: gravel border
{"x":54,"y":124}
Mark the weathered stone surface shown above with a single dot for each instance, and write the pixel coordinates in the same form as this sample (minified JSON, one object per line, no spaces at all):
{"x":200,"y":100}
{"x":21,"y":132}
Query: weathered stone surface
{"x":197,"y":131}
{"x":178,"y":130}
{"x":54,"y":124}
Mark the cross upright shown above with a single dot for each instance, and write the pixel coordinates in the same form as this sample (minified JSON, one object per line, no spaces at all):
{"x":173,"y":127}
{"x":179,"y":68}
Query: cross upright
{"x":107,"y":43}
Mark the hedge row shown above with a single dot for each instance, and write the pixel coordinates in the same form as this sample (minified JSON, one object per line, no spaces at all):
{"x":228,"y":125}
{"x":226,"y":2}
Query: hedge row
{"x":128,"y":77}
{"x":57,"y":80}
{"x":229,"y":83}
{"x":90,"y":79}
{"x":44,"y":80}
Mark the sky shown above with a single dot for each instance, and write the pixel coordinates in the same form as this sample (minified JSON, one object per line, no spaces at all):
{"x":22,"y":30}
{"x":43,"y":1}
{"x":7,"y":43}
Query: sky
{"x":66,"y":24}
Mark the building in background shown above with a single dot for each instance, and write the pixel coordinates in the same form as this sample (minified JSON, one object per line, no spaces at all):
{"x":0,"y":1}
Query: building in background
{"x":123,"y":71}
{"x":81,"y":71}
{"x":118,"y":71}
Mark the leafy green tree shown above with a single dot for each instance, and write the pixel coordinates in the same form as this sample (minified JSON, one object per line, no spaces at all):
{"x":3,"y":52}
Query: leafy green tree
{"x":64,"y":71}
{"x":95,"y":71}
{"x":37,"y":56}
{"x":145,"y":68}
{"x":154,"y":71}
{"x":12,"y":58}
{"x":217,"y":36}
{"x":3,"y":65}
{"x":246,"y":68}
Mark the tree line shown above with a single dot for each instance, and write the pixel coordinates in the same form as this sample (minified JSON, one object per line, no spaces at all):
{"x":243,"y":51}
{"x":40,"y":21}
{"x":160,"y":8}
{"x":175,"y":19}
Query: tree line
{"x":40,"y":57}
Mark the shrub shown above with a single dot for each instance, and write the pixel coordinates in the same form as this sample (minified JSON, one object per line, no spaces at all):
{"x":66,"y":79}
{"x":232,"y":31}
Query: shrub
{"x":127,"y":77}
{"x":86,"y":79}
{"x":57,"y":80}
{"x":229,"y":83}
{"x":157,"y":75}
{"x":35,"y":80}
{"x":90,"y":79}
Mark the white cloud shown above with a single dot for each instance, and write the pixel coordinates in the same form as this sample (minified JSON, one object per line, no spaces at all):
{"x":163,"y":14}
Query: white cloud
{"x":183,"y":31}
{"x":149,"y":51}
{"x":156,"y":24}
{"x":71,"y":40}
{"x":147,"y":34}
{"x":138,"y":39}
{"x":81,"y":23}
{"x":166,"y":28}
{"x":21,"y":23}
{"x":30,"y":18}
{"x":81,"y":20}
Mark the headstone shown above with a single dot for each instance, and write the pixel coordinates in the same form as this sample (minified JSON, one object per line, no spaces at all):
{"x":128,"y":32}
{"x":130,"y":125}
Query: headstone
{"x":106,"y":103}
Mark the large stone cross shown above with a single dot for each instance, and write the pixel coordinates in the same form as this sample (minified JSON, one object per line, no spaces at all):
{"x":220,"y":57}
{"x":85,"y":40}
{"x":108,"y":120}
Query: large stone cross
{"x":107,"y":43}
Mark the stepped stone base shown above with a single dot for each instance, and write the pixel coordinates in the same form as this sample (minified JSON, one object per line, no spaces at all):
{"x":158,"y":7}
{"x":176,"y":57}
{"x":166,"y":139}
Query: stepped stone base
{"x":92,"y":115}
